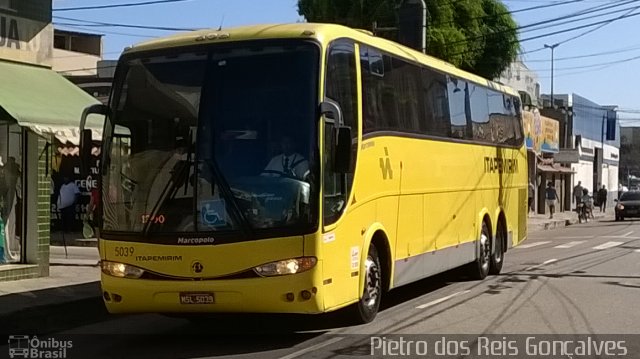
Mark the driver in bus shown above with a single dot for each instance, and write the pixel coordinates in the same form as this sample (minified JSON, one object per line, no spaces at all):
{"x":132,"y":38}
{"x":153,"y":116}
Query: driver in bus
{"x":289,"y":163}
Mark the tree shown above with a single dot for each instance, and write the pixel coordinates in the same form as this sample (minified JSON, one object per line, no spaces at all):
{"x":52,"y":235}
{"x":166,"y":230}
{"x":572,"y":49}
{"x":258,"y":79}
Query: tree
{"x":479,"y":36}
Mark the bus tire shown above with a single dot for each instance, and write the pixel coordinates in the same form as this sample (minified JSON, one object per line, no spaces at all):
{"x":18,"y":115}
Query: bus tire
{"x":479,"y":269}
{"x":366,"y":309}
{"x":497,"y":258}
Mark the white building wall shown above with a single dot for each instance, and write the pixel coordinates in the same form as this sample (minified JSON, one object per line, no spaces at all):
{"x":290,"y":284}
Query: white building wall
{"x":74,"y":63}
{"x":583,"y":173}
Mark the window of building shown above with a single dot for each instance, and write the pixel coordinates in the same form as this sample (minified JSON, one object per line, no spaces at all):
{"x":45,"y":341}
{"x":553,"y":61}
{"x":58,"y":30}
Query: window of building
{"x":6,"y":4}
{"x":11,"y":192}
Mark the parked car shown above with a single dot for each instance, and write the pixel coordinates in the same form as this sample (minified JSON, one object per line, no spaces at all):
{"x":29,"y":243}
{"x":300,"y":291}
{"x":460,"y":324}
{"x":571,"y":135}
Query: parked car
{"x":628,"y":205}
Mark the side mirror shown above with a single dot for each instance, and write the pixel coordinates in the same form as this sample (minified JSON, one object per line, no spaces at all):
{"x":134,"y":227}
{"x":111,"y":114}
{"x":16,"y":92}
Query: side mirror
{"x":85,"y":135}
{"x":342,"y":160}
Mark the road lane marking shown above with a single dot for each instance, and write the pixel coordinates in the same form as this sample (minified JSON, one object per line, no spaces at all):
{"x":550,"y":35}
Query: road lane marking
{"x":541,"y":264}
{"x":608,"y":245}
{"x":570,"y":244}
{"x":638,"y":250}
{"x":620,"y":237}
{"x":576,"y":237}
{"x":626,"y":235}
{"x":529,"y":245}
{"x":438,"y":301}
{"x":312,"y":348}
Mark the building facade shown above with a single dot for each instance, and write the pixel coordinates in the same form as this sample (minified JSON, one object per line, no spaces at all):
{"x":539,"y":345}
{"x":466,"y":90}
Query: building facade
{"x":591,"y":135}
{"x":78,"y":57}
{"x":35,"y":105}
{"x":542,"y":135}
{"x":518,"y":76}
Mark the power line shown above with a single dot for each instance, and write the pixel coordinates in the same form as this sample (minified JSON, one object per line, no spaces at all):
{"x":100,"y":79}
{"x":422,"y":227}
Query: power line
{"x":106,"y":24}
{"x":556,"y":19}
{"x":558,"y":32}
{"x":105,"y":31}
{"x":118,"y":5}
{"x":595,"y":54}
{"x":578,"y":14}
{"x":538,"y":7}
{"x":577,"y":28}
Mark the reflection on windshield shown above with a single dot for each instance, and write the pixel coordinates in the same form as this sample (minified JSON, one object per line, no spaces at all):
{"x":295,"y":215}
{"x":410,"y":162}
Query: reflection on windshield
{"x":219,"y":141}
{"x":630,"y":196}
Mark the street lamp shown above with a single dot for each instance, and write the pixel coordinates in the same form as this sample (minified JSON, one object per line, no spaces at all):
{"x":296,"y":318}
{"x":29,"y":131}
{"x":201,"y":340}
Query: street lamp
{"x":552,"y":47}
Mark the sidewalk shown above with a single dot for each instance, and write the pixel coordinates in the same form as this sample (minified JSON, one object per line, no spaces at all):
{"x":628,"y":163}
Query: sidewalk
{"x":46,"y":305}
{"x":68,"y":297}
{"x":537,"y":222}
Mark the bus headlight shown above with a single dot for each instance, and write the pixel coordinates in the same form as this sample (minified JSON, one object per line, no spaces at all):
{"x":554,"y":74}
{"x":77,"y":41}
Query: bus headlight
{"x":286,"y":266}
{"x":121,"y":270}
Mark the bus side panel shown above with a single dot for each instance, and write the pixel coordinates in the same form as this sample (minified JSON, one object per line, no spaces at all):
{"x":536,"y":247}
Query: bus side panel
{"x":341,"y":253}
{"x":374,"y":200}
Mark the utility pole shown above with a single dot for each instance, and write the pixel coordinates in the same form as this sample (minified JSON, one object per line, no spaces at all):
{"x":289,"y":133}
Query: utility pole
{"x":552,"y":47}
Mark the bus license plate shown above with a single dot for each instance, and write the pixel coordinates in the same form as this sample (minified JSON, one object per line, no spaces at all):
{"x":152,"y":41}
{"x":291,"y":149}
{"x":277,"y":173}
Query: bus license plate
{"x":196,"y":298}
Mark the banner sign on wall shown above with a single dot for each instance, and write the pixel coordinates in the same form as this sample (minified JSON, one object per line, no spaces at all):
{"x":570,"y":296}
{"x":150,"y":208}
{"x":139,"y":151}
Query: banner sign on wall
{"x":541,"y":133}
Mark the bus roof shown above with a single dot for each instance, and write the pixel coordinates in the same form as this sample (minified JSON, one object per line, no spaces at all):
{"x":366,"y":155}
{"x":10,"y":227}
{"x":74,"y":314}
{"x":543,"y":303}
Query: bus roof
{"x":324,"y":33}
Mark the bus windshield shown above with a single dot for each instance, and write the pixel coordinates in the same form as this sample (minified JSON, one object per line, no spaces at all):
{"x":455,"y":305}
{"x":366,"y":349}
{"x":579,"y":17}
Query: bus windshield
{"x":223,"y":139}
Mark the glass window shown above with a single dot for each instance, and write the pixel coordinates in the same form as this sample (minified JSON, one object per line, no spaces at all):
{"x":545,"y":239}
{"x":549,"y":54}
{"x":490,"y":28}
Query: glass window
{"x":436,"y":103}
{"x":457,"y":107}
{"x":480,"y":113}
{"x":219,"y":140}
{"x":11,"y":192}
{"x":342,"y":87}
{"x":372,"y":69}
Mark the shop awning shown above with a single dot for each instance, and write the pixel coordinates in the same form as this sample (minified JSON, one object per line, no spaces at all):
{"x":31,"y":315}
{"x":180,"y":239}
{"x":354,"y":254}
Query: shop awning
{"x":46,"y":102}
{"x":556,"y":168}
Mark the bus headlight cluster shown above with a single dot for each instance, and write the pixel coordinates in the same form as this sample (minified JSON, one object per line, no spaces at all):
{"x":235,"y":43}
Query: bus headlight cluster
{"x":286,"y":266}
{"x":121,"y":270}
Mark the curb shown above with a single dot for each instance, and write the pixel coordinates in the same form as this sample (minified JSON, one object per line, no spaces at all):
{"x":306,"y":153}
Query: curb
{"x":560,"y":223}
{"x":91,"y":242}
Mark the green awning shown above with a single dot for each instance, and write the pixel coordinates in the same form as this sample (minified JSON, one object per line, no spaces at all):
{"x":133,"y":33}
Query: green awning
{"x":46,"y":102}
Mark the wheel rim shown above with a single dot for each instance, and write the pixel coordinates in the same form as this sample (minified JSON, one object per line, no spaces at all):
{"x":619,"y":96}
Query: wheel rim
{"x":372,"y":284}
{"x":485,"y":248}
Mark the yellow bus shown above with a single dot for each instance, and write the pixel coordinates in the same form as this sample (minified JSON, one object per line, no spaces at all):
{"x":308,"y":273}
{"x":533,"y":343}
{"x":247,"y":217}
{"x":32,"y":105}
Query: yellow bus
{"x":300,"y":168}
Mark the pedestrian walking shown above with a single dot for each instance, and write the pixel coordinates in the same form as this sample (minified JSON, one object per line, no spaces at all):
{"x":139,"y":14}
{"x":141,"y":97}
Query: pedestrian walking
{"x":551,"y":195}
{"x":577,"y":193}
{"x":69,"y":195}
{"x":602,"y":199}
{"x":532,"y":191}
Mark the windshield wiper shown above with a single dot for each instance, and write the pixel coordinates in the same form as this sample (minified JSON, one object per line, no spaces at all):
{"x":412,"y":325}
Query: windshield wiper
{"x":236,"y":213}
{"x":169,"y":191}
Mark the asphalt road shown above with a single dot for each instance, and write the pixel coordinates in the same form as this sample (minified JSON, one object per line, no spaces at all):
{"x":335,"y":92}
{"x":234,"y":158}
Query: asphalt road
{"x":582,"y":279}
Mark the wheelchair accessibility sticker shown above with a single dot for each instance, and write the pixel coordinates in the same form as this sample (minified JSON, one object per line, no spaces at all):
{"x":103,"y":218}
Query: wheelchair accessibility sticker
{"x":213,"y":213}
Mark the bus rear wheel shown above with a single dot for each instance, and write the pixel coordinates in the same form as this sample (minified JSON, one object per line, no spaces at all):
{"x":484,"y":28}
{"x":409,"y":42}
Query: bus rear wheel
{"x":366,"y":309}
{"x":497,"y":258}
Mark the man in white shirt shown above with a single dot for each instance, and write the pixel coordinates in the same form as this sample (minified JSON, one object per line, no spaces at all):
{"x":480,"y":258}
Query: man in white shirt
{"x":289,"y":163}
{"x":67,"y":199}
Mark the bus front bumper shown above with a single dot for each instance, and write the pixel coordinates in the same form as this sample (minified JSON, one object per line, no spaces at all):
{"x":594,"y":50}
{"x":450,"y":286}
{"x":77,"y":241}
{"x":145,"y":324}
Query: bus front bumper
{"x":298,"y":293}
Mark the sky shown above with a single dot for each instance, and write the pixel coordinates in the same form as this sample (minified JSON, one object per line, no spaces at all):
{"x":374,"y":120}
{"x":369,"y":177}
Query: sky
{"x":607,"y":75}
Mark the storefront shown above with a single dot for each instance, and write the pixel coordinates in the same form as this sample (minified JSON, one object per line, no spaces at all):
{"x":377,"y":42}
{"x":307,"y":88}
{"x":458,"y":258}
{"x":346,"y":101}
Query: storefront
{"x":542,"y":140}
{"x":36,"y":104}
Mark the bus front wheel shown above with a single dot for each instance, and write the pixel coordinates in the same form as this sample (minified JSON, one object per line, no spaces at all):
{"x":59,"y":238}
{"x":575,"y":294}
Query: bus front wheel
{"x":479,"y":269}
{"x":366,"y":309}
